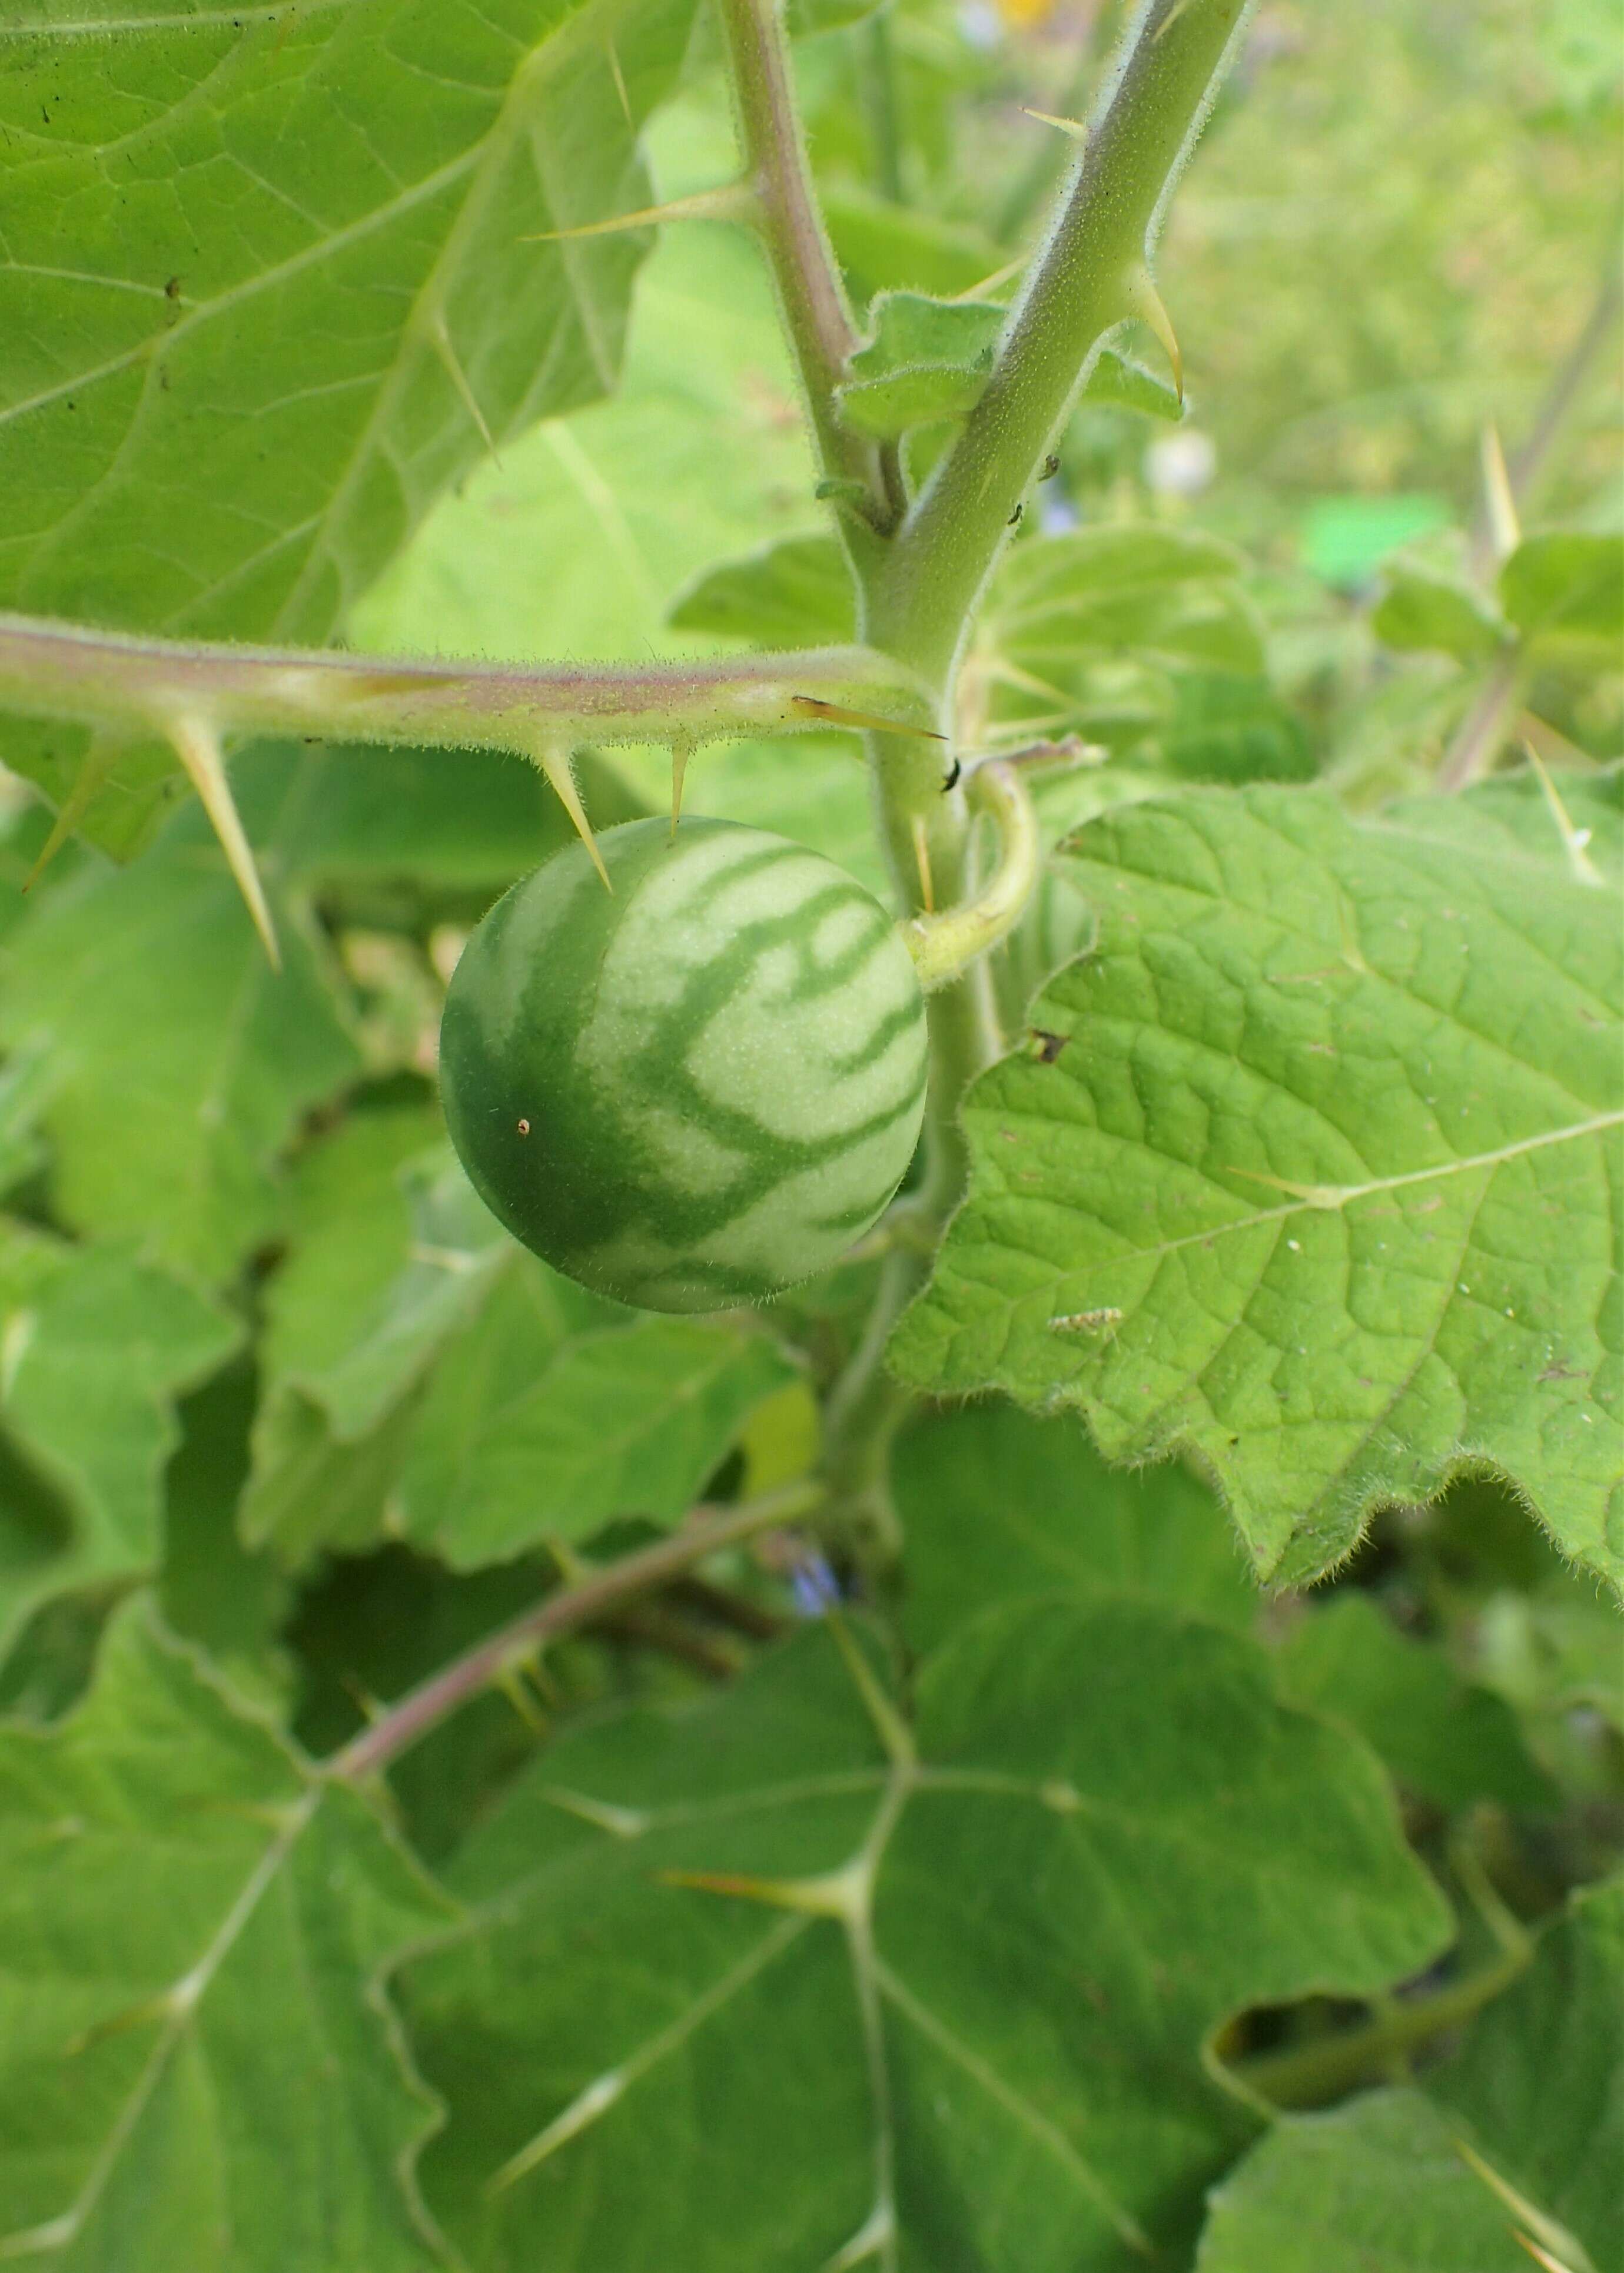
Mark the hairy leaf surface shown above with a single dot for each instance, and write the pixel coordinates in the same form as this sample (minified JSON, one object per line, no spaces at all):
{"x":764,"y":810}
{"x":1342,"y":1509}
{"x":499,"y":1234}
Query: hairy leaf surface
{"x":177,"y":1061}
{"x":1321,"y":1180}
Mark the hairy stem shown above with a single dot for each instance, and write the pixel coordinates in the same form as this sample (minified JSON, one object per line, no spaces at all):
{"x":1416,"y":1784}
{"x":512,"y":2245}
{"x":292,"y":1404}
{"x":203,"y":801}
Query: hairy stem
{"x":1087,"y":280}
{"x":141,"y":686}
{"x":604,"y":1593}
{"x":916,"y":598}
{"x":810,"y":296}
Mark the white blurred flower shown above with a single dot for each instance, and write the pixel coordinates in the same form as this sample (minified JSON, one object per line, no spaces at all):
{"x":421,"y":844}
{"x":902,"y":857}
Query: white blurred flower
{"x":981,"y":26}
{"x":1182,"y":464}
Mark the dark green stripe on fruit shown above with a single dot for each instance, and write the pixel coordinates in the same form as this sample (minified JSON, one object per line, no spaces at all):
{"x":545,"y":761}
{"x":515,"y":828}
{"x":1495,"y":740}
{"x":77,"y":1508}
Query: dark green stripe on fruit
{"x":719,"y":1071}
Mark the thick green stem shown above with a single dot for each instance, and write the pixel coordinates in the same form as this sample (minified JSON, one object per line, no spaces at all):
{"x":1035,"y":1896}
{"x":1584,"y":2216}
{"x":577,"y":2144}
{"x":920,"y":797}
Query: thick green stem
{"x":1088,"y":278}
{"x":131,"y":686}
{"x":810,"y":296}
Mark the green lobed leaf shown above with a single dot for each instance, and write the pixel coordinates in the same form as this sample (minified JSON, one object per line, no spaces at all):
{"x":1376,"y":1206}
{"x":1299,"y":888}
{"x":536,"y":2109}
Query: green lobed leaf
{"x":1123,"y":381}
{"x":1140,"y":638}
{"x":177,"y":1061}
{"x":928,"y":360}
{"x":1443,"y":1738}
{"x":1567,"y":590}
{"x":1382,"y":2182}
{"x":1509,"y":820}
{"x":391,"y":1253}
{"x":533,"y":1428}
{"x":793,"y":592}
{"x":998,"y":1505}
{"x":95,"y":1346}
{"x":1114,"y":1838}
{"x":196,"y":2066}
{"x":1539,"y":2074}
{"x":1516,"y":2138}
{"x":211,"y":1589}
{"x":1424,"y":609}
{"x":577,"y":542}
{"x":422,"y":1376}
{"x":698,"y":455}
{"x":261,"y":273}
{"x":883,"y":247}
{"x":392,"y":1256}
{"x":1320,"y":1182}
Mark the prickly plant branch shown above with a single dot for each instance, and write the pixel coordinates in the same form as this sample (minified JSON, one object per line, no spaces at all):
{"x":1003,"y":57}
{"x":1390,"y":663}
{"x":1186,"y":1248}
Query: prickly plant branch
{"x":817,"y":319}
{"x":591,"y":1597}
{"x":136,"y":685}
{"x":1092,"y":275}
{"x":194,"y":696}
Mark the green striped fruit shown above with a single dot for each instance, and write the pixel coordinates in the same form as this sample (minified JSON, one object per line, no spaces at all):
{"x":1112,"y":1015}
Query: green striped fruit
{"x":695,"y":1092}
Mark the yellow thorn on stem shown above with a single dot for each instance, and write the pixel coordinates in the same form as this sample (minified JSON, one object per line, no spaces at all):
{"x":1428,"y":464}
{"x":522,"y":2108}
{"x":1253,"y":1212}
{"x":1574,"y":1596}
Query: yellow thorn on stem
{"x":682,"y":750}
{"x":459,"y":380}
{"x":1073,"y":127}
{"x":1558,"y":2245}
{"x":1145,"y":301}
{"x":196,"y":746}
{"x":733,"y":201}
{"x":100,"y":760}
{"x":1574,"y":840}
{"x":1541,"y":2257}
{"x":829,"y":1896}
{"x":1500,"y":504}
{"x":922,"y":856}
{"x":999,"y":276}
{"x":835,"y":714}
{"x":554,"y":760}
